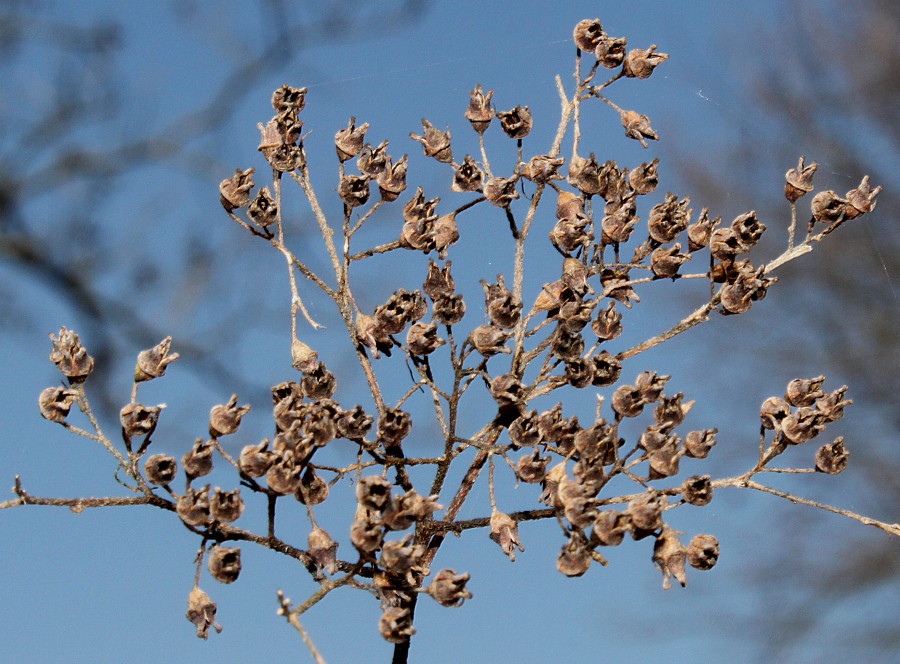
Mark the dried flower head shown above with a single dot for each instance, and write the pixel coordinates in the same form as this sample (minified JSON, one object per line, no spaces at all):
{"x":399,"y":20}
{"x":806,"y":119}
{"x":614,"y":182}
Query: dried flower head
{"x":197,"y":461}
{"x":226,"y":506}
{"x":202,"y":612}
{"x":322,"y":549}
{"x":799,"y":181}
{"x":505,"y":532}
{"x":160,"y":469}
{"x":435,"y":143}
{"x":449,"y":588}
{"x":69,"y":356}
{"x":703,"y":551}
{"x":55,"y":402}
{"x":349,"y":141}
{"x":480,"y":112}
{"x":831,"y":458}
{"x":235,"y":191}
{"x":516,"y":122}
{"x":640,"y":63}
{"x":224,"y":563}
{"x":151,"y":363}
{"x":587,"y":34}
{"x":225,"y":419}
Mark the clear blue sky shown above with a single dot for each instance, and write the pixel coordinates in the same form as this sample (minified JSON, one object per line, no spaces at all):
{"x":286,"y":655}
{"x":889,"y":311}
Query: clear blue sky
{"x":111,"y":585}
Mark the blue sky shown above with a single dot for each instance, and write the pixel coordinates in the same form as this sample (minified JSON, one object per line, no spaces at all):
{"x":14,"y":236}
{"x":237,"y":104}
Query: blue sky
{"x":110,"y":585}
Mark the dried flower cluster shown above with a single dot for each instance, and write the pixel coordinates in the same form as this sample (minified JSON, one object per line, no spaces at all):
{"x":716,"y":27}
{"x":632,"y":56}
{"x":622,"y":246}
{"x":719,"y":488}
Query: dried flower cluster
{"x":611,"y":239}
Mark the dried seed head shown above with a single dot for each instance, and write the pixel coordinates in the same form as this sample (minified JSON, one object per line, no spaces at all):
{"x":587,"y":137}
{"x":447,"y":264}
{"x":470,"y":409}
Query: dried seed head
{"x":618,"y":225}
{"x":283,"y":476}
{"x":613,"y":281}
{"x":354,"y":190}
{"x":669,"y":218}
{"x":313,"y":490}
{"x":197,"y":461}
{"x":449,"y":310}
{"x":394,"y":425}
{"x":151,"y":363}
{"x":697,"y":490}
{"x":480,"y":112}
{"x":407,"y":508}
{"x":193,"y":506}
{"x":542,"y":168}
{"x":831,"y":458}
{"x":532,"y":468}
{"x":799,"y":181}
{"x":69,"y":356}
{"x":698,"y":443}
{"x":449,"y":588}
{"x":55,"y":402}
{"x":422,"y":339}
{"x":392,"y":180}
{"x":804,"y":392}
{"x":507,"y":390}
{"x":700,"y":232}
{"x":861,"y":199}
{"x":609,"y":528}
{"x":663,"y":461}
{"x":288,"y":99}
{"x":366,"y":532}
{"x":516,"y":123}
{"x":644,"y":178}
{"x":224,"y":563}
{"x":669,"y":556}
{"x":666,"y":261}
{"x":703,"y":551}
{"x":608,"y":324}
{"x":225,"y":419}
{"x":569,"y":234}
{"x":263,"y":211}
{"x":255,"y":460}
{"x":401,"y":555}
{"x":373,"y":161}
{"x":467,"y":176}
{"x":670,"y":411}
{"x":444,"y":232}
{"x":353,"y":424}
{"x":569,"y":205}
{"x":501,"y":191}
{"x":435,"y":143}
{"x":373,"y":493}
{"x":322,"y":549}
{"x":235,"y":191}
{"x":627,"y":401}
{"x":585,"y":175}
{"x":640,"y":63}
{"x":802,"y":425}
{"x":395,"y":624}
{"x":523,"y":431}
{"x":645,"y":513}
{"x":606,"y":369}
{"x":502,"y":307}
{"x":505,"y":532}
{"x":748,"y":229}
{"x":318,"y":382}
{"x":610,"y":51}
{"x":587,"y":34}
{"x":349,"y":141}
{"x":637,"y":126}
{"x":831,"y":406}
{"x":575,"y":557}
{"x":489,"y":340}
{"x":303,"y":358}
{"x":160,"y":469}
{"x":439,"y":283}
{"x":202,"y":612}
{"x":579,"y":372}
{"x":226,"y":506}
{"x":827,"y":207}
{"x":139,"y":420}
